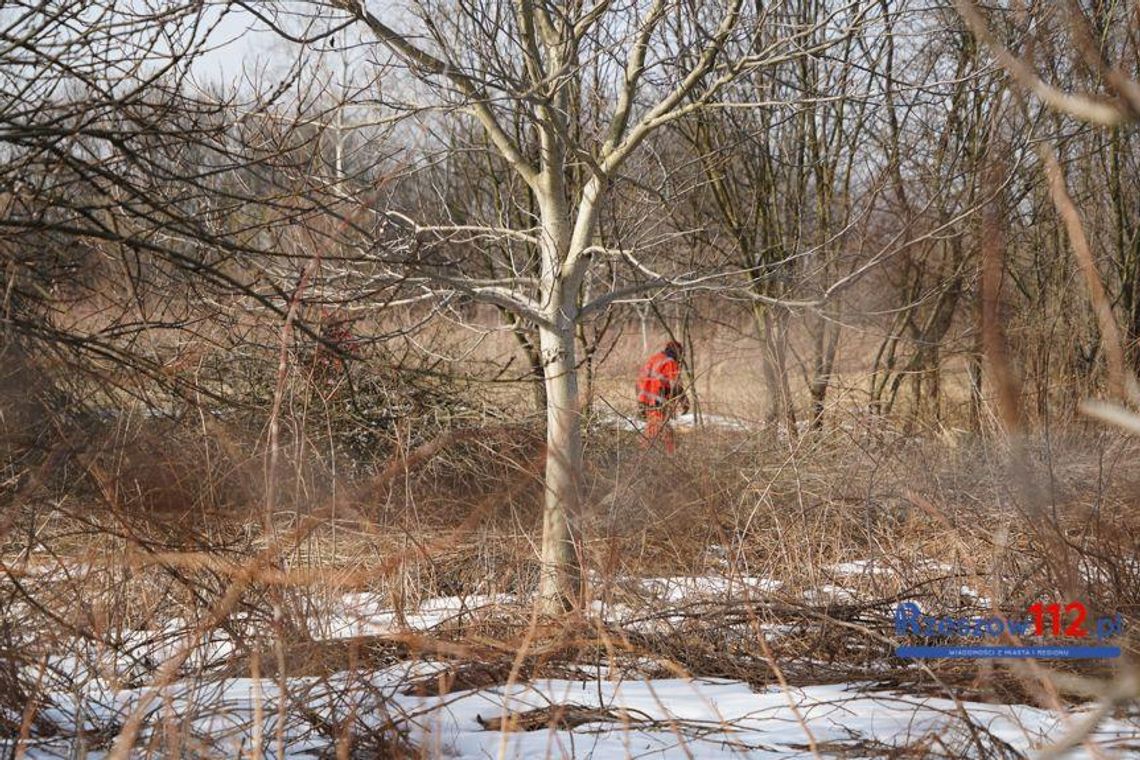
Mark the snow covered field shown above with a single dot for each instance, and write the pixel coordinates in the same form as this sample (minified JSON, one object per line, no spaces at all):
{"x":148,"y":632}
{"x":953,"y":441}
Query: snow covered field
{"x":602,"y":713}
{"x":660,"y":718}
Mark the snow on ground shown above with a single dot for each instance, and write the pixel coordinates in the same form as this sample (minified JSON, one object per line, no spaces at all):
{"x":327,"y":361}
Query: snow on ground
{"x":681,"y":588}
{"x":667,"y":718}
{"x":619,"y":717}
{"x":828,"y":593}
{"x":660,"y":718}
{"x":614,"y":419}
{"x":861,"y":567}
{"x":362,"y":614}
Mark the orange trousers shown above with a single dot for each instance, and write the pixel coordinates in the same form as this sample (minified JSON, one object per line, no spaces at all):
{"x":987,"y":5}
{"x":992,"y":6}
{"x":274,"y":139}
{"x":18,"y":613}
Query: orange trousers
{"x":658,"y":429}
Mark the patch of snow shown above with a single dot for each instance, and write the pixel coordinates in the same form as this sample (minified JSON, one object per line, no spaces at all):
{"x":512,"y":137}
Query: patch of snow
{"x":862,"y":567}
{"x":682,"y":588}
{"x":657,"y":718}
{"x":363,"y":614}
{"x":710,"y":718}
{"x":611,"y":418}
{"x":828,"y":593}
{"x":643,"y":718}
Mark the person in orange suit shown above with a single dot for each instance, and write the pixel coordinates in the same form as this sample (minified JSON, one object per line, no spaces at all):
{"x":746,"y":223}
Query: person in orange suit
{"x":660,"y":393}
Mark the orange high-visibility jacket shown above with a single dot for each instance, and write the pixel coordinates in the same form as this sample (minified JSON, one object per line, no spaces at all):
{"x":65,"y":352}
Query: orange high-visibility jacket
{"x":659,"y":380}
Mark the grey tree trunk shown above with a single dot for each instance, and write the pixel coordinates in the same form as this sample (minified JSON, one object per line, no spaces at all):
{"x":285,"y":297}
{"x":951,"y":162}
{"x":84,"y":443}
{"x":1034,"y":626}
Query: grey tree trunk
{"x":559,"y":579}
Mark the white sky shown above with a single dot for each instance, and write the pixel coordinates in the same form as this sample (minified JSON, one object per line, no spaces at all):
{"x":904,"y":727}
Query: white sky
{"x":240,"y":40}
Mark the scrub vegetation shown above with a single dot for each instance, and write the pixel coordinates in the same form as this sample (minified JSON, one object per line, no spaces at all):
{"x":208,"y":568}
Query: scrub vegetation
{"x":318,"y":349}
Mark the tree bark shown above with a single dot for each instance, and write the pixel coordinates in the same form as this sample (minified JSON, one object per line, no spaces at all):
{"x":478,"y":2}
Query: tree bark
{"x":826,"y":340}
{"x":533,"y":356}
{"x":773,"y":329}
{"x":559,"y":577}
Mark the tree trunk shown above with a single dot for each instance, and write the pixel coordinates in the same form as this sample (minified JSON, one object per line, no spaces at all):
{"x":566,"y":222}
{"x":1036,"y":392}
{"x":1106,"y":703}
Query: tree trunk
{"x":773,"y":328}
{"x":533,"y":358}
{"x":559,"y":576}
{"x":826,"y":340}
{"x":559,"y":587}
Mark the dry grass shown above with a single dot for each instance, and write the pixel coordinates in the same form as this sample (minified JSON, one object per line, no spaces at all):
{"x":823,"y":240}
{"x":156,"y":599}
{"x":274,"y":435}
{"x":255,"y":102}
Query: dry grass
{"x":126,"y":546}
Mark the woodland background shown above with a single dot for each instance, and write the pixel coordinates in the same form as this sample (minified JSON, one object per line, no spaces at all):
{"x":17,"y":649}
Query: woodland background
{"x":272,"y":338}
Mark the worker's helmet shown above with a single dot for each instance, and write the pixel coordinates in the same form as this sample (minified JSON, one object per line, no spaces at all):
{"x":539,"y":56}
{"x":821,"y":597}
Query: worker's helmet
{"x":674,"y":349}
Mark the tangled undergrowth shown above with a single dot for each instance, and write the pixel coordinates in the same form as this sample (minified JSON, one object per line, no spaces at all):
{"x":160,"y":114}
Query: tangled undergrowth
{"x":746,"y":556}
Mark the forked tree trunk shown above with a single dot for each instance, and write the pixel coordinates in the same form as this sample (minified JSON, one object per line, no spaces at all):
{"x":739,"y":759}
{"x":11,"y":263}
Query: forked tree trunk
{"x":531,"y":351}
{"x":559,"y":575}
{"x":564,"y":235}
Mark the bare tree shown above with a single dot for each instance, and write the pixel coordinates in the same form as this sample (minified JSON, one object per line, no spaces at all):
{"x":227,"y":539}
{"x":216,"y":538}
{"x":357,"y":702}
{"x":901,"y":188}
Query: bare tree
{"x":545,"y":67}
{"x":1092,"y":41}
